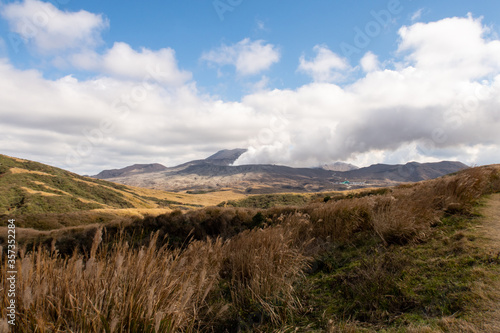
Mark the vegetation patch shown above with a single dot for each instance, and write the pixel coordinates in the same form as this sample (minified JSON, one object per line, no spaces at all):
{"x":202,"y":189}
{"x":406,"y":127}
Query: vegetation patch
{"x":379,"y":287}
{"x":269,"y":200}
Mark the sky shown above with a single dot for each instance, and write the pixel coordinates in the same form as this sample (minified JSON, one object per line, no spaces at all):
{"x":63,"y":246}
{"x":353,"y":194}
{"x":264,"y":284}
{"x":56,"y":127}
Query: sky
{"x":93,"y":85}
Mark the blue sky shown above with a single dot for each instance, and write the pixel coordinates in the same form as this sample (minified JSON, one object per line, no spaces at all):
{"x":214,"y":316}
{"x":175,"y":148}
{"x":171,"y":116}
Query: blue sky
{"x":252,"y":74}
{"x":192,"y":27}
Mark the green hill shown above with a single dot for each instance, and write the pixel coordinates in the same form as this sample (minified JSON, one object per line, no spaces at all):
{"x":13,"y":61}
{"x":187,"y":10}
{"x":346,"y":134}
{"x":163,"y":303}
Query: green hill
{"x":45,"y":197}
{"x":31,"y":187}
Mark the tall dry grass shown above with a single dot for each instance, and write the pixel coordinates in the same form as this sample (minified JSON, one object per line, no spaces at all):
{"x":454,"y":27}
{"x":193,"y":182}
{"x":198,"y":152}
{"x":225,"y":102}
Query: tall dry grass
{"x":123,"y":290}
{"x":153,"y":289}
{"x":407,"y":212}
{"x":262,"y":266}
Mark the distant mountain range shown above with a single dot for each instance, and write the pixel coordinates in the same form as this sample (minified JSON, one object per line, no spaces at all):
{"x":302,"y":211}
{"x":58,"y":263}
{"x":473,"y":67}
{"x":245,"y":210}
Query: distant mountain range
{"x":217,"y":172}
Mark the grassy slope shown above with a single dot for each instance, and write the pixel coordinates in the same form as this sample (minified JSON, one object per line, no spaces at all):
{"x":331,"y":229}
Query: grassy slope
{"x":45,"y":197}
{"x":432,"y":285}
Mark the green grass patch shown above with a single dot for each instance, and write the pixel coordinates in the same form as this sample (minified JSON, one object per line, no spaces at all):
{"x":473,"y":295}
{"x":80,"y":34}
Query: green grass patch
{"x":397,"y":286}
{"x":269,"y":200}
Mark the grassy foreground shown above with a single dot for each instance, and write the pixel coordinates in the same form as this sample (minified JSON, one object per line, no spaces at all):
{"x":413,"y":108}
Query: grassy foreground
{"x":402,"y":260}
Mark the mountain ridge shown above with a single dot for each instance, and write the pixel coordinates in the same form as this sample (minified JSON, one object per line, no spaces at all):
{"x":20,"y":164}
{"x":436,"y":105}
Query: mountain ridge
{"x":217,"y":171}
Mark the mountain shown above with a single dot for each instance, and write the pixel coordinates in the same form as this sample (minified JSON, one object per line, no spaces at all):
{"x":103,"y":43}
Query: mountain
{"x":410,"y":172}
{"x":130,"y":170}
{"x":225,"y":157}
{"x":217,"y":172}
{"x":339,"y":166}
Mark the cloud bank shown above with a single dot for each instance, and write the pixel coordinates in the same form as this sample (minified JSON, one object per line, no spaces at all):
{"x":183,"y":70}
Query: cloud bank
{"x":438,"y":98}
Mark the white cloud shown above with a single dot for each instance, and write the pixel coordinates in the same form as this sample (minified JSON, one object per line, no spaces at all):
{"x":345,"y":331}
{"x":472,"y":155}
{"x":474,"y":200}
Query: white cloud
{"x":260,"y":85}
{"x":123,"y":61}
{"x":261,"y":26}
{"x":327,"y":66}
{"x":456,"y":47}
{"x":248,"y":57}
{"x":50,"y":29}
{"x":417,"y":15}
{"x":411,"y":109}
{"x":428,"y":106}
{"x":369,"y":62}
{"x":88,"y":125}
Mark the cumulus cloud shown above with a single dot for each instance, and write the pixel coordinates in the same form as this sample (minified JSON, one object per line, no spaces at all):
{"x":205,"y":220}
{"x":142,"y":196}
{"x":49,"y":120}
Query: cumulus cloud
{"x":52,"y":30}
{"x":248,"y":57}
{"x":457,"y":47}
{"x":327,"y":66}
{"x":438,"y":99}
{"x":123,"y":61}
{"x":88,"y":125}
{"x":369,"y":62}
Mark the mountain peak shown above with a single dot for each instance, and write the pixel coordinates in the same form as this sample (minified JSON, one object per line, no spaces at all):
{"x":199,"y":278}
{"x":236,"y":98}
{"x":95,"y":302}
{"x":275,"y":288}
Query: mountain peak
{"x":339,"y":166}
{"x":225,"y":156}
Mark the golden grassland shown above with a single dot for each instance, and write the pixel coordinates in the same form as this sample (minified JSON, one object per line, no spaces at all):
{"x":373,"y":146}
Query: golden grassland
{"x":21,"y":170}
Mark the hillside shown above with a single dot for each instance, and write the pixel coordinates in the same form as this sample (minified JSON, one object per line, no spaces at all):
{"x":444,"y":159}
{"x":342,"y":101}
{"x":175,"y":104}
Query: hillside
{"x":218,"y":171}
{"x":38,"y":193}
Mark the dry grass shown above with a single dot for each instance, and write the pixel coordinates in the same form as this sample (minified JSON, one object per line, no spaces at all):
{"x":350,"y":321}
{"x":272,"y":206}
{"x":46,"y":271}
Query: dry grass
{"x":31,"y":191}
{"x":263,"y":265}
{"x":148,"y":289}
{"x":134,"y":212}
{"x":114,"y":287}
{"x":407,"y":212}
{"x":20,"y":170}
{"x":153,"y":289}
{"x":204,"y":199}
